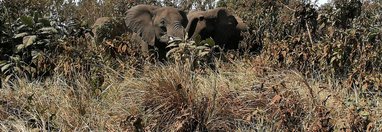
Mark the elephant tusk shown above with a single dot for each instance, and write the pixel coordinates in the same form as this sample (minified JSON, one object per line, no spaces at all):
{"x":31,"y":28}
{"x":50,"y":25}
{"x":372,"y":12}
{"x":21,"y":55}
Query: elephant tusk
{"x":171,"y":38}
{"x":174,"y":39}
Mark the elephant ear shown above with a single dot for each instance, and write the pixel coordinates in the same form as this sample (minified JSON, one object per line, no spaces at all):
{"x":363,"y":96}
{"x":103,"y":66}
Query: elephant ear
{"x":140,"y":20}
{"x":191,"y":26}
{"x":184,"y":16}
{"x":241,"y":25}
{"x":224,"y":14}
{"x":194,"y":20}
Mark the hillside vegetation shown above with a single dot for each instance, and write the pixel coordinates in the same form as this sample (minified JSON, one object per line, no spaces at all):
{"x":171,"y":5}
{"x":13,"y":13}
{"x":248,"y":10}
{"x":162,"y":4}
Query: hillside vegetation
{"x":300,"y":68}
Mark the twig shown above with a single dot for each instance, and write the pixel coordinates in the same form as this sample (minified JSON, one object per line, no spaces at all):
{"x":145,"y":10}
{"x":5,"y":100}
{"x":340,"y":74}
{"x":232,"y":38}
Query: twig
{"x":107,"y":88}
{"x":214,"y":94}
{"x":288,"y":7}
{"x":308,"y":86}
{"x":310,"y":36}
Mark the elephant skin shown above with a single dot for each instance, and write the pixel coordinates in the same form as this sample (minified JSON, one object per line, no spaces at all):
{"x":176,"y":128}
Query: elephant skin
{"x":219,"y":24}
{"x":156,"y":26}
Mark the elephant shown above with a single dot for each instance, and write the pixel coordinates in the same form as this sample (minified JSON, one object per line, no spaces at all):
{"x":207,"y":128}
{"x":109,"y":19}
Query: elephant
{"x":108,"y":28}
{"x":156,"y":26}
{"x":219,"y":24}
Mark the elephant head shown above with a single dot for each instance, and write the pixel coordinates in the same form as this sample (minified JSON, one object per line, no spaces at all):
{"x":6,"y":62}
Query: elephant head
{"x":156,"y":25}
{"x":219,"y":24}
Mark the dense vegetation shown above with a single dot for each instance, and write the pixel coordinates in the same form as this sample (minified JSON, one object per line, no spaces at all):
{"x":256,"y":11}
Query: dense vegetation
{"x":301,"y":67}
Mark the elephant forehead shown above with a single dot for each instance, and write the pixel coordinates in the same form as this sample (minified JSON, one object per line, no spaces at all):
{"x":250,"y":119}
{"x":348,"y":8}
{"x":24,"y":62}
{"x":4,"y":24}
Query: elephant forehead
{"x":169,"y":13}
{"x":193,"y":15}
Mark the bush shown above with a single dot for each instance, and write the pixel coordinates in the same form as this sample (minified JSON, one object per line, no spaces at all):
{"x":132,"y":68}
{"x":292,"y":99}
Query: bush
{"x":316,"y":69}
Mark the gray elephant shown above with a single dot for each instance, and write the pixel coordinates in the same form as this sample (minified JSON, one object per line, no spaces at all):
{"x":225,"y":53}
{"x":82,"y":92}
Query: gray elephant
{"x":156,"y":26}
{"x":219,"y":24}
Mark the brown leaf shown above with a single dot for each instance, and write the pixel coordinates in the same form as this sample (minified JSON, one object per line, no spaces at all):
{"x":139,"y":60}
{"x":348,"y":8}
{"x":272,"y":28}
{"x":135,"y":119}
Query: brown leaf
{"x":276,"y":99}
{"x":124,"y":48}
{"x":370,"y":127}
{"x":109,"y":43}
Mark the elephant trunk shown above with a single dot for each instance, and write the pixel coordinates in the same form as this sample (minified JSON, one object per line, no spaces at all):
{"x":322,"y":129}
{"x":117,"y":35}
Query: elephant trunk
{"x":241,"y":25}
{"x":180,"y":30}
{"x":191,"y":27}
{"x":170,"y":37}
{"x":176,"y":32}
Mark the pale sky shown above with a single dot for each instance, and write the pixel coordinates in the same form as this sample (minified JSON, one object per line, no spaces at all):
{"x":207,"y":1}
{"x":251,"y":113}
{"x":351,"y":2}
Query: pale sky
{"x":320,"y":2}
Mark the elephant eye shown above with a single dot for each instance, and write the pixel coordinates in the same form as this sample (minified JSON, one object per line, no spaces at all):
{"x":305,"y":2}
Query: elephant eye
{"x":231,"y":20}
{"x":162,"y":23}
{"x":163,"y":28}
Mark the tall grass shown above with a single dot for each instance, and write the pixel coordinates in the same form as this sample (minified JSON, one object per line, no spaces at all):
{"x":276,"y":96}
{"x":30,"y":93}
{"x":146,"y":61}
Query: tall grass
{"x":245,"y":95}
{"x":315,"y":70}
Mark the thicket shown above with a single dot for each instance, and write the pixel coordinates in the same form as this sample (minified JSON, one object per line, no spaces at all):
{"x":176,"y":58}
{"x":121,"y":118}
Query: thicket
{"x":340,"y":40}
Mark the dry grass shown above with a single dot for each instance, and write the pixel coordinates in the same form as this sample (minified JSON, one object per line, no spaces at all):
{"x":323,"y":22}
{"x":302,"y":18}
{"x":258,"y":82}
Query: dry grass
{"x":245,"y":95}
{"x":110,"y":87}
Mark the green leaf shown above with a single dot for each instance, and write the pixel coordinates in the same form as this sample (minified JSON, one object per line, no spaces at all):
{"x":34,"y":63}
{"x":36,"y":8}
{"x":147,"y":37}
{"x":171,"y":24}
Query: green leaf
{"x":210,"y":42}
{"x":202,"y":54}
{"x":6,"y":67}
{"x":32,"y":69}
{"x":28,"y":40}
{"x":2,"y":63}
{"x":18,"y":69}
{"x":186,"y":36}
{"x":333,"y":59}
{"x":22,"y":27}
{"x":36,"y":16}
{"x":45,"y":22}
{"x":364,"y":113}
{"x":175,"y":41}
{"x":48,"y":30}
{"x":321,"y":26}
{"x":201,"y":47}
{"x":198,"y":39}
{"x":182,"y":45}
{"x":9,"y":77}
{"x":20,"y":35}
{"x":36,"y":54}
{"x":85,"y":23}
{"x":192,"y":46}
{"x":19,"y":48}
{"x":39,"y":25}
{"x":171,"y":52}
{"x":172,"y":45}
{"x":15,"y":58}
{"x":27,"y":20}
{"x":352,"y":32}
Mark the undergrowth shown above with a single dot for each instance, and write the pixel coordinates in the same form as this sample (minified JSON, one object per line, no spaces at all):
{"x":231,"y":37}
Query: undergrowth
{"x":300,"y":68}
{"x":245,"y":95}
